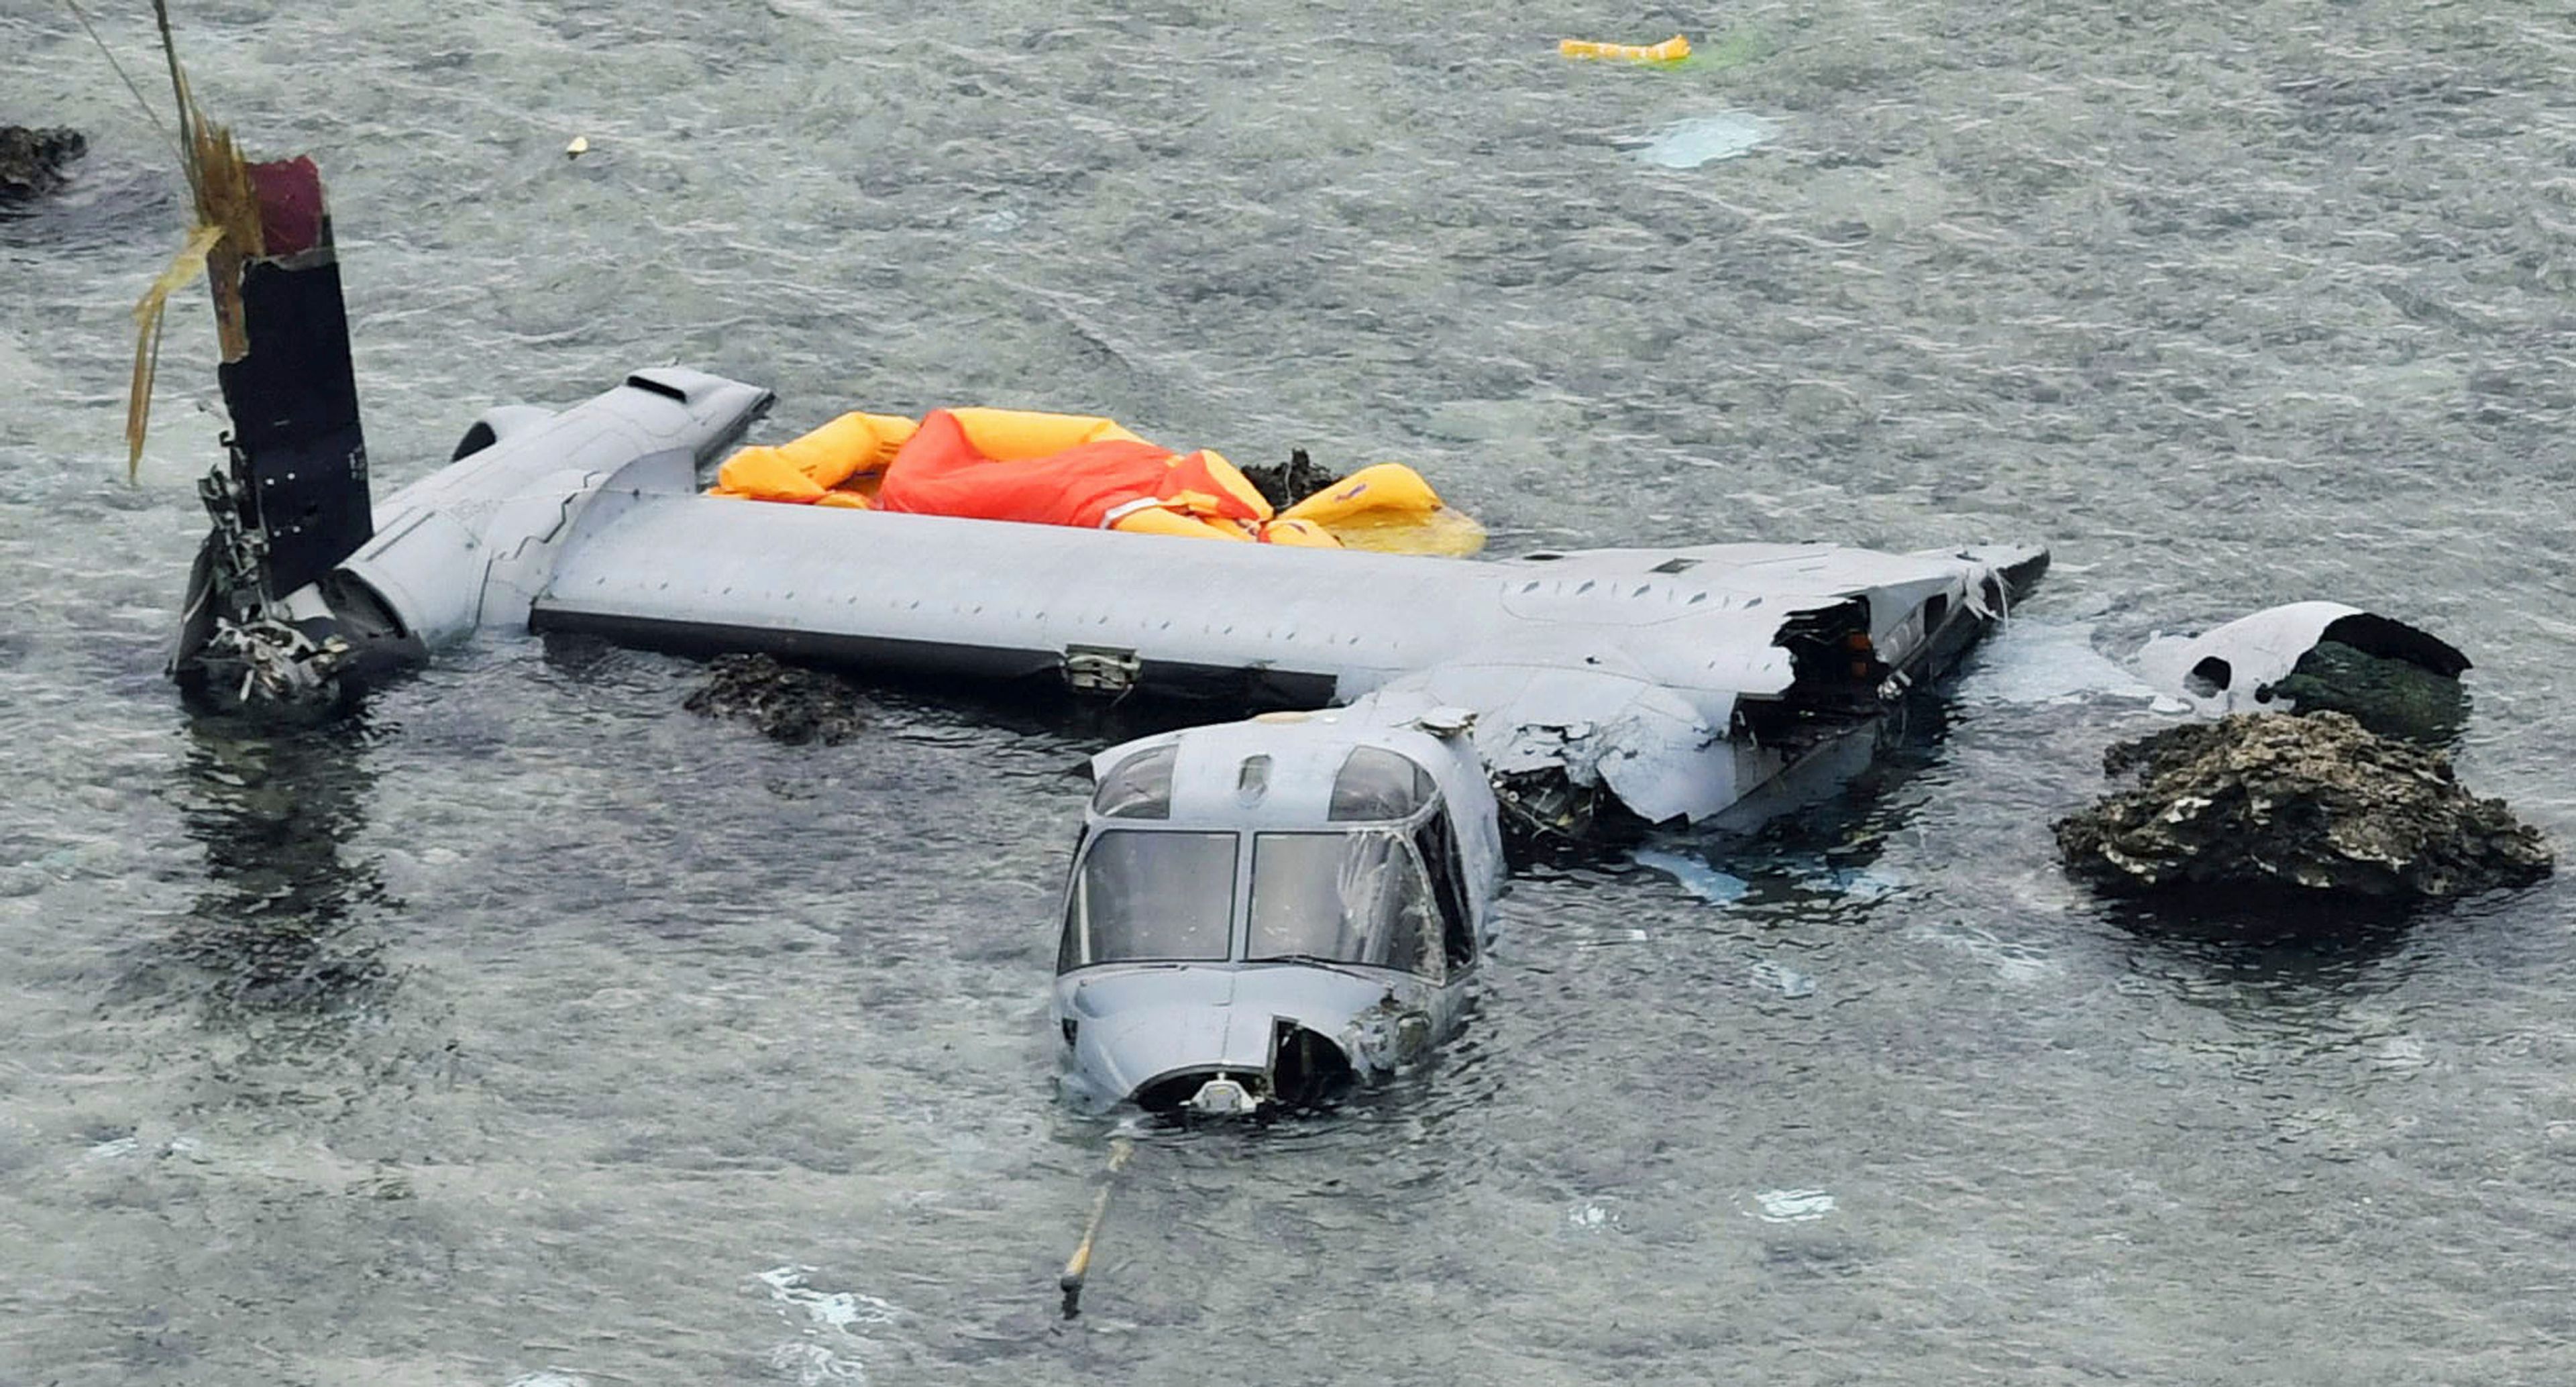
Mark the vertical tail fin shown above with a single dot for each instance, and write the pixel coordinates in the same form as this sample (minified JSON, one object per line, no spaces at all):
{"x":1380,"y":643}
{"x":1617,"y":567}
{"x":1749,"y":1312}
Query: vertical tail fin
{"x":297,"y":471}
{"x":290,"y":500}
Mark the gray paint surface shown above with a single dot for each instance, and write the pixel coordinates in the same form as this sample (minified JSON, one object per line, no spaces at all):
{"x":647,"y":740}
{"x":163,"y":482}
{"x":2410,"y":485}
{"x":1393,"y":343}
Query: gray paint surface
{"x":1621,"y":664}
{"x":2238,"y":304}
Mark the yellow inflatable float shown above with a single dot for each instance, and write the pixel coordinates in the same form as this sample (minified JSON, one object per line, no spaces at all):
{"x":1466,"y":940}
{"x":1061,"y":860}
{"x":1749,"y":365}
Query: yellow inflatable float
{"x":1671,"y":50}
{"x":1084,"y":470}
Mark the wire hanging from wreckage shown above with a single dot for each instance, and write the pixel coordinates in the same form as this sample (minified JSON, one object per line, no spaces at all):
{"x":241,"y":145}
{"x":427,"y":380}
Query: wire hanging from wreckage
{"x":225,"y":236}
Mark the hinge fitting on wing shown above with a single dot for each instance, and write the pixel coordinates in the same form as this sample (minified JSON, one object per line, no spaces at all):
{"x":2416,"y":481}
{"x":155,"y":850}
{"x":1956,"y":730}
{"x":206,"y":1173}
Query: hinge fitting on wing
{"x":1100,"y":669}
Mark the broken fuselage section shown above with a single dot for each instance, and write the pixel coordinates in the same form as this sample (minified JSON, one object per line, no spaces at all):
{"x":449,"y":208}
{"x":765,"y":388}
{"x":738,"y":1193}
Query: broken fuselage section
{"x":2308,"y":657}
{"x":1262,"y":913}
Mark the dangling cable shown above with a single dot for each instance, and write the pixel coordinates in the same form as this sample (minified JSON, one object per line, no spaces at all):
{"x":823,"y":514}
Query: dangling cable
{"x":110,"y":54}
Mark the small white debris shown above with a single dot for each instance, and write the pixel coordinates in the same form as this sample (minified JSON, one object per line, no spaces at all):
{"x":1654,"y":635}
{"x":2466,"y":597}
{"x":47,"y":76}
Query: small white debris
{"x":1694,"y":875}
{"x":1793,"y":1206}
{"x":1593,"y":1215}
{"x":1613,"y":937}
{"x":1726,"y":135}
{"x":1782,"y":978}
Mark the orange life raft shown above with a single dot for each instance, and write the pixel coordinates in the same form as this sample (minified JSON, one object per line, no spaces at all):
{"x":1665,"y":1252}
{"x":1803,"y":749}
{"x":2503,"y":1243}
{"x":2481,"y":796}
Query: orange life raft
{"x":1081,"y":470}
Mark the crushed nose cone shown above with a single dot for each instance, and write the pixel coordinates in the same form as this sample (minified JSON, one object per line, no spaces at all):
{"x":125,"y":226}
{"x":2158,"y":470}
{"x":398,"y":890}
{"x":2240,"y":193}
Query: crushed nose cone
{"x":1158,"y":1057}
{"x":2312,"y":657}
{"x":1220,"y":1041}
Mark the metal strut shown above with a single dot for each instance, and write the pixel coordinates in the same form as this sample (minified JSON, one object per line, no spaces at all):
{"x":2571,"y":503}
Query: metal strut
{"x":1078,"y":1266}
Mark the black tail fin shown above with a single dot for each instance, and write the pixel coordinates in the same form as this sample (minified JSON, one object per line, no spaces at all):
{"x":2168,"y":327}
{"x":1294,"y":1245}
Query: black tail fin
{"x":298,"y":455}
{"x":265,"y":622}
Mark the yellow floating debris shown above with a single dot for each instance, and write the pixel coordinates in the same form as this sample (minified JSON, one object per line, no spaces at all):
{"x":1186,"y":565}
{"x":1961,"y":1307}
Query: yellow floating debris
{"x":580,"y":146}
{"x":1086,"y":471}
{"x":1390,"y":508}
{"x":1671,"y":50}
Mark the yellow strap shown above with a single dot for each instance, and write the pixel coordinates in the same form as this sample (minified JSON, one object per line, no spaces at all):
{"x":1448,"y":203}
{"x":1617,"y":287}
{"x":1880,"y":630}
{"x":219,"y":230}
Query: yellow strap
{"x":1671,"y":50}
{"x":189,"y":263}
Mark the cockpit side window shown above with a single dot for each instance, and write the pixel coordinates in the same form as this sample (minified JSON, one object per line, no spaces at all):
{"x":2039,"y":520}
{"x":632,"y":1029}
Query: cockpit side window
{"x":1375,"y":783}
{"x":1439,"y":844}
{"x":1139,"y":787}
{"x":1355,"y":897}
{"x":1143,"y":896}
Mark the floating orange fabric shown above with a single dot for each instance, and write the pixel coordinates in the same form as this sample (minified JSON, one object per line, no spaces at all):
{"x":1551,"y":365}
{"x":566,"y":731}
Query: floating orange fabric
{"x":1080,"y":470}
{"x":1017,"y":435}
{"x":1109,"y":483}
{"x":766,"y":474}
{"x":832,"y":456}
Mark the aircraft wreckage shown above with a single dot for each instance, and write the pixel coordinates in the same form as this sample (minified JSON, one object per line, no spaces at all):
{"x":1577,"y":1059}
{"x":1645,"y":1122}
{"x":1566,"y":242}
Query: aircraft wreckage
{"x":1257,"y":912}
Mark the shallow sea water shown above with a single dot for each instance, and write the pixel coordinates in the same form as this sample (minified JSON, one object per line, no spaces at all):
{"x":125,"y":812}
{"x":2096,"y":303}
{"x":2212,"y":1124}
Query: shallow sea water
{"x":531,"y":1031}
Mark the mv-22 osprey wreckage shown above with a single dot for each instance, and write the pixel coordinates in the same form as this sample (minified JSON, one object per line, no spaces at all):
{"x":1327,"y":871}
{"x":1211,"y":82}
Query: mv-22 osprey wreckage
{"x":1258,"y":912}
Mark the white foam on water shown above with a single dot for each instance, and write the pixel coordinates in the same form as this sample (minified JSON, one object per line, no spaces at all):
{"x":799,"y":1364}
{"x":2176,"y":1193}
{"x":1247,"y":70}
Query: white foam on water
{"x":1707,"y":139}
{"x":2400,"y":1052}
{"x":2036,"y":662}
{"x":1792,"y":1206}
{"x":812,"y":1365}
{"x":837,"y":1310}
{"x":2013,"y":963}
{"x":838,"y":1314}
{"x":1857,"y":883}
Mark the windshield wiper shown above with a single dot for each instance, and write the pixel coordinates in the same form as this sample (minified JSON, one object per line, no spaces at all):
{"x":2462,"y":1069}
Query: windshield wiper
{"x":1339,"y":965}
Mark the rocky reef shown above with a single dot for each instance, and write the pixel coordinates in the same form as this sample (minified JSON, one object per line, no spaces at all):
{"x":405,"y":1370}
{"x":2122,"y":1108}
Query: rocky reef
{"x":2313,"y":806}
{"x":32,"y":161}
{"x":1290,"y":482}
{"x":786,"y":703}
{"x":2390,"y":695}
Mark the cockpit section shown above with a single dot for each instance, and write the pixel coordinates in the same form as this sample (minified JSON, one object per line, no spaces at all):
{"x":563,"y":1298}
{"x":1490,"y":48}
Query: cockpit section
{"x":1379,"y":884}
{"x":1267,"y":913}
{"x":1359,"y":897}
{"x":1141,"y":896}
{"x":1365,"y":897}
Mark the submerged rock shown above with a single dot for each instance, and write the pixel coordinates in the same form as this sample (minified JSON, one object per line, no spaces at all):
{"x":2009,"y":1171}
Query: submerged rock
{"x":786,"y":703}
{"x":2391,"y":696}
{"x":2308,"y":806}
{"x":32,"y":161}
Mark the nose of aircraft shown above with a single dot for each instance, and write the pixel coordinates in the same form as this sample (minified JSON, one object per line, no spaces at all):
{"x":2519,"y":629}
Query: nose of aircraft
{"x":1217,"y":1041}
{"x":1163,"y":1055}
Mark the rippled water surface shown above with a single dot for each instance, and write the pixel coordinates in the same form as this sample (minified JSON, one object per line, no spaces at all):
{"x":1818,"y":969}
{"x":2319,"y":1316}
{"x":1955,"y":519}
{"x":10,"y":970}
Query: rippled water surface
{"x":531,"y":1031}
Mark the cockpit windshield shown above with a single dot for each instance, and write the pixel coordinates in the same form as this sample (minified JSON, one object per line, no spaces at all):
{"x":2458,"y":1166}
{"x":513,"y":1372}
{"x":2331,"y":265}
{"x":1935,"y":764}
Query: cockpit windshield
{"x":1355,"y":897}
{"x":1151,"y":897}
